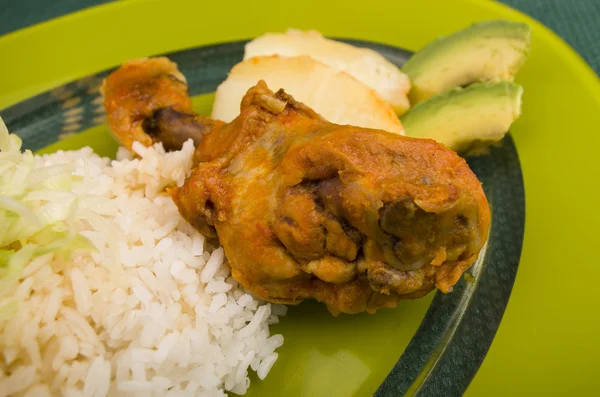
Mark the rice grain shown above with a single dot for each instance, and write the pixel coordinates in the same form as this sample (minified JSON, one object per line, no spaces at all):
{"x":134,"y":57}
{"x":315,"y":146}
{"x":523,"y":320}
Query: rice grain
{"x":154,"y":311}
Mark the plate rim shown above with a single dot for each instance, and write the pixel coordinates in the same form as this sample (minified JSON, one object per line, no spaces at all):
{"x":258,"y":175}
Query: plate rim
{"x":575,"y":60}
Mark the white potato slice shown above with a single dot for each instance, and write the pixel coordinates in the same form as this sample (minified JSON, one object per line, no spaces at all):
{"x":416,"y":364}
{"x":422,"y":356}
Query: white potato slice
{"x":363,"y":64}
{"x":337,"y":96}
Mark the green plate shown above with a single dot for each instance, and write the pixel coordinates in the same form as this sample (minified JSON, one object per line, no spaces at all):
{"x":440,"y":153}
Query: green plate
{"x":547,"y":343}
{"x":319,"y":347}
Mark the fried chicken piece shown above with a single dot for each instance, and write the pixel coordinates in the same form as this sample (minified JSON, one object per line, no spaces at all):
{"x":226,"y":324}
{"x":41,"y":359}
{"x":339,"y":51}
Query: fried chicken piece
{"x":139,"y":89}
{"x":353,"y":217}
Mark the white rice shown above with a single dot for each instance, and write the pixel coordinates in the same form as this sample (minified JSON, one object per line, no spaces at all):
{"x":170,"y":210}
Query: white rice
{"x":154,"y":312}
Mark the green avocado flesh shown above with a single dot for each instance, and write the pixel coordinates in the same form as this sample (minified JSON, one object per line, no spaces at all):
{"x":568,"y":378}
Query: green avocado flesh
{"x":484,"y":52}
{"x":467,"y":120}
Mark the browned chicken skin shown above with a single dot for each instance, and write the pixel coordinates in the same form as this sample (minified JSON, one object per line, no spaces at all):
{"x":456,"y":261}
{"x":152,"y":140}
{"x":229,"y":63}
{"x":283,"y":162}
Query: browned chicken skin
{"x":353,"y":217}
{"x":143,"y":88}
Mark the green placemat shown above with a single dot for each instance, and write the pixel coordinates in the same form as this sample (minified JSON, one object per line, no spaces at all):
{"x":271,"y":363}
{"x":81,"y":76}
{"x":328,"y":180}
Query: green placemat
{"x":576,"y":21}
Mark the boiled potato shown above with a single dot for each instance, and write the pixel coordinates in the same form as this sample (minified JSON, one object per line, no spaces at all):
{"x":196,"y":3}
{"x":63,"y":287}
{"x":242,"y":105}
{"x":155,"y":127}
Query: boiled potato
{"x":363,"y":64}
{"x":336,"y":95}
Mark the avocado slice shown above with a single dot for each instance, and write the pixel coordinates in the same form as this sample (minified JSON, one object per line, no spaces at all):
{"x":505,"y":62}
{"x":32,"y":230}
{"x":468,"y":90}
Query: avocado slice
{"x":467,"y":120}
{"x":484,"y":52}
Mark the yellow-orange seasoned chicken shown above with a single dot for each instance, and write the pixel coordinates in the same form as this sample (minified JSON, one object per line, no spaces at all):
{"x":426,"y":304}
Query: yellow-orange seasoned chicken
{"x":353,"y":217}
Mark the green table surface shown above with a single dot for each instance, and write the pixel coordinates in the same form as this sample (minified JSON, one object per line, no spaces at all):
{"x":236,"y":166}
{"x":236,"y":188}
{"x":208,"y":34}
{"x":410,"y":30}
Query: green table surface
{"x":578,"y":23}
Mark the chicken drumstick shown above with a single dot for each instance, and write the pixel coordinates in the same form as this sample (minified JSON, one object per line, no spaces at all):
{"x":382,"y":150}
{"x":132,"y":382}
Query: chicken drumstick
{"x":353,"y":217}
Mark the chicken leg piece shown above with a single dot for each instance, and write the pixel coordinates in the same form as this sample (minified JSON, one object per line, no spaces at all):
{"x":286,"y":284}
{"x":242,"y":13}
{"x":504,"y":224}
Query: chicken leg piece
{"x":353,"y":217}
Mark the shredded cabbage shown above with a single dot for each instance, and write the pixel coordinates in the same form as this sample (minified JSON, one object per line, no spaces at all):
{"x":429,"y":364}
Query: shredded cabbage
{"x":36,"y":213}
